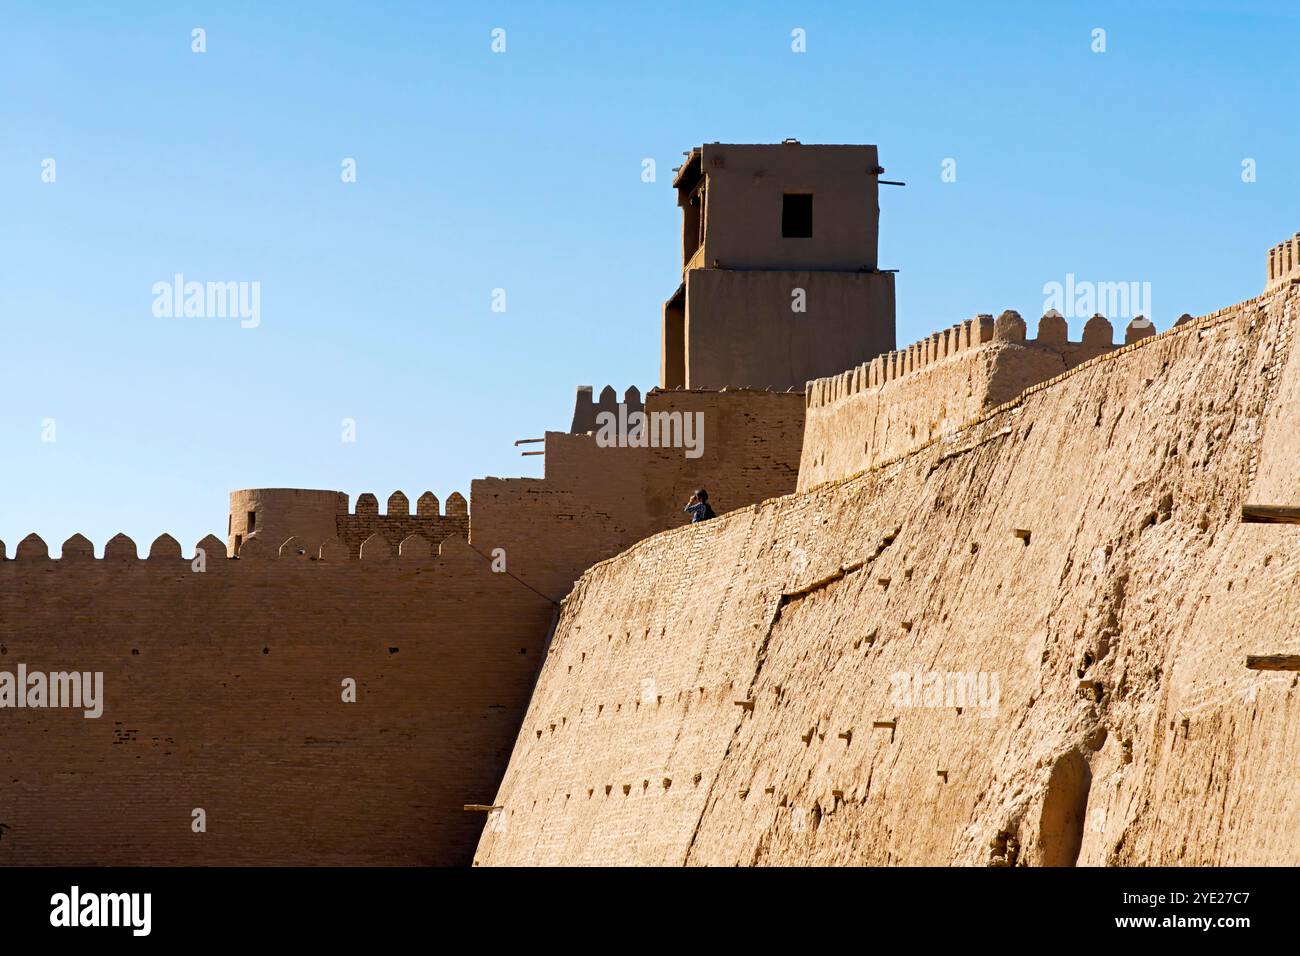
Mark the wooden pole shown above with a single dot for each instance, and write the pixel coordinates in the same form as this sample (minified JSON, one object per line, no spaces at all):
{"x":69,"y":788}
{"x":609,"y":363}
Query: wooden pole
{"x":1273,"y":662}
{"x":1270,"y":514}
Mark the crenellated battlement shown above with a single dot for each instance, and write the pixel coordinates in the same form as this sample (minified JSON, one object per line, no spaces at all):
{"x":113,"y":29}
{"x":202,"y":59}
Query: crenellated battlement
{"x":399,"y":506}
{"x":1007,"y":328}
{"x":209,"y":553}
{"x":315,"y":517}
{"x":118,"y":549}
{"x":1283,"y":263}
{"x":232,"y":676}
{"x":357,"y":528}
{"x":585,"y":409}
{"x":375,"y":549}
{"x":902,"y":399}
{"x":1019,"y":544}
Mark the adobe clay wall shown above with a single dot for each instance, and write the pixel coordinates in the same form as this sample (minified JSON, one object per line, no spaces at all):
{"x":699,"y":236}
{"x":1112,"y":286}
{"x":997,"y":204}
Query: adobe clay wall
{"x":742,"y":328}
{"x":397,"y":523}
{"x":734,"y":693}
{"x":900,"y":400}
{"x":314,"y":517}
{"x":596,"y":501}
{"x":224,"y":691}
{"x":280,"y":513}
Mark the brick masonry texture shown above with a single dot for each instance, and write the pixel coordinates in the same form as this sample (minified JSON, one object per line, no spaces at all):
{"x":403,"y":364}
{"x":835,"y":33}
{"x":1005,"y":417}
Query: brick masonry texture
{"x":725,"y":694}
{"x":1065,"y":518}
{"x":398,"y":523}
{"x":594,"y":502}
{"x":223,"y":691}
{"x":223,"y":687}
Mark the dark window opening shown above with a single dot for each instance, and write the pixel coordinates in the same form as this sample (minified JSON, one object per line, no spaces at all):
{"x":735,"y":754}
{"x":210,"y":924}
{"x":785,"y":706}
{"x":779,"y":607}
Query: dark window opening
{"x":693,"y":227}
{"x":796,"y":216}
{"x":239,"y":541}
{"x":252,"y":521}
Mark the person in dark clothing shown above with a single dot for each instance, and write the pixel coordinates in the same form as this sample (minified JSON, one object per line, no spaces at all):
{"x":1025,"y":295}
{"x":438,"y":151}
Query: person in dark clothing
{"x":699,"y":508}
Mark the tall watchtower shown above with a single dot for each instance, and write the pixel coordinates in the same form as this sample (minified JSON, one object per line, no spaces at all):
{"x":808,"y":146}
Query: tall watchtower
{"x":779,"y":276}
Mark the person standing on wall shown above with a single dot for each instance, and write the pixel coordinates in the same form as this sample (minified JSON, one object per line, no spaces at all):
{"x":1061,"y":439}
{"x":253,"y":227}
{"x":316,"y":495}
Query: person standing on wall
{"x":699,"y":508}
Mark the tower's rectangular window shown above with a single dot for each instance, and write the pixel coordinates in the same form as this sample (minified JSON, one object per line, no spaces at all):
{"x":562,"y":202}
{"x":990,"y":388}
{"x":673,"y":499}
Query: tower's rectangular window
{"x":252,"y":521}
{"x":796,"y":216}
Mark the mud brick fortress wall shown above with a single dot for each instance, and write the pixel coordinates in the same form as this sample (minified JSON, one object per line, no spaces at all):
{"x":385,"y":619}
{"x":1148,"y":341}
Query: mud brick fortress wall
{"x":586,"y":410}
{"x":276,"y":514}
{"x":223,"y":687}
{"x":596,"y":501}
{"x":397,"y":523}
{"x":223,"y":690}
{"x":898,"y":401}
{"x":314,"y":517}
{"x":721,"y":694}
{"x":1064,"y":515}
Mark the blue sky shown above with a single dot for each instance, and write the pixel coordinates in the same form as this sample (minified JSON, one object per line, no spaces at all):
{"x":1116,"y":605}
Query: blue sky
{"x":522,"y":171}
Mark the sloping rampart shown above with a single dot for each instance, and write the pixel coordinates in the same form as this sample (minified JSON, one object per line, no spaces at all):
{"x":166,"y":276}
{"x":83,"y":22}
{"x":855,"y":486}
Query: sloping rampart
{"x":1021,"y":643}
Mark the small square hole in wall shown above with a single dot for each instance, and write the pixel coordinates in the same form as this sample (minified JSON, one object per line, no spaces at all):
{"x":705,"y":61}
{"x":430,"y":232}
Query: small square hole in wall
{"x":796,"y":216}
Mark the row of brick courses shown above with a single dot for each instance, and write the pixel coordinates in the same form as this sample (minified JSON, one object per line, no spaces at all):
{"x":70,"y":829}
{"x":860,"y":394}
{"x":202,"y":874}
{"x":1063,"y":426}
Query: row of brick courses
{"x":398,"y":523}
{"x":223,"y":691}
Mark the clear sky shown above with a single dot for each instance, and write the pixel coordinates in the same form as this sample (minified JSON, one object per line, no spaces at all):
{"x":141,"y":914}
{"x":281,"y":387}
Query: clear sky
{"x":522,"y":171}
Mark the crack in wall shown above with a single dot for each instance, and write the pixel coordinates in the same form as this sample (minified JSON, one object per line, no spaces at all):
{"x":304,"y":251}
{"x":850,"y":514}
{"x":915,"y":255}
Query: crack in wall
{"x":786,"y":598}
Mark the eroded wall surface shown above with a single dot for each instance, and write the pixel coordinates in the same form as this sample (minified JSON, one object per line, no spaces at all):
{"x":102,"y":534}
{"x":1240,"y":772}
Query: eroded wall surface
{"x":223,"y":691}
{"x":732,"y":693}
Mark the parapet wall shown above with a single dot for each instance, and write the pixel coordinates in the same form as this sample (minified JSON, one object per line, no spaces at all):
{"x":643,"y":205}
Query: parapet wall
{"x":224,"y":690}
{"x":397,"y":523}
{"x":585,"y":411}
{"x":314,"y":517}
{"x":900,"y":400}
{"x":223,"y":677}
{"x":1283,"y":263}
{"x":278,"y":513}
{"x":597,"y":498}
{"x":777,"y":686}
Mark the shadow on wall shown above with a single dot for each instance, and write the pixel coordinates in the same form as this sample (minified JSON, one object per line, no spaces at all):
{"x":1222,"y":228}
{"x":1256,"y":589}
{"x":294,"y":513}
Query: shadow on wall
{"x":1065,"y":807}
